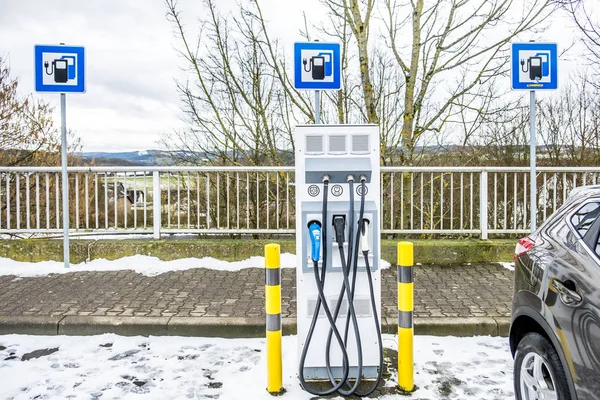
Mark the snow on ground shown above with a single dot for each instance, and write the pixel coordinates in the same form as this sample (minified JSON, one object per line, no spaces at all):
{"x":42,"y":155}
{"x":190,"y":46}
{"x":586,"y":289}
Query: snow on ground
{"x":508,"y":265}
{"x":116,"y":367}
{"x":145,"y":265}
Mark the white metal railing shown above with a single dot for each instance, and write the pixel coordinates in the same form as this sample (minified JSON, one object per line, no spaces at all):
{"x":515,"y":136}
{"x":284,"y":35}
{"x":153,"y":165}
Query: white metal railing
{"x":260,"y":200}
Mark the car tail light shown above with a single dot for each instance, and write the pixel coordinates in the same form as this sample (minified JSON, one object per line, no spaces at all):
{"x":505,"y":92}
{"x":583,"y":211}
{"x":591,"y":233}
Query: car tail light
{"x":523,"y":246}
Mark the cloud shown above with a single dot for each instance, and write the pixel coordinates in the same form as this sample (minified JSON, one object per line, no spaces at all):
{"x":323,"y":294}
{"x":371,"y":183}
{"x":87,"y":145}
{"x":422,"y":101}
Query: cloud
{"x":131,"y":65}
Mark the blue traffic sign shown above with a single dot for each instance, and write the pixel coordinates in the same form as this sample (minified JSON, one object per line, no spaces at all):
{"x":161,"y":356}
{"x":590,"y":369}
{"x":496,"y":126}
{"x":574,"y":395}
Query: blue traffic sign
{"x":534,"y":66}
{"x":317,"y":66}
{"x":59,"y":69}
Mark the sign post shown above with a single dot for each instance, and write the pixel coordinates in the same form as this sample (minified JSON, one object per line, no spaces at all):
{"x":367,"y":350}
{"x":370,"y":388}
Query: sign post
{"x":534,"y":66}
{"x":60,"y":69}
{"x":317,"y":66}
{"x":317,"y":107}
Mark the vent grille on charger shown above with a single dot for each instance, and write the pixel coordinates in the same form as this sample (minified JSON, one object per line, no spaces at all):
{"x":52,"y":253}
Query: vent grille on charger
{"x":314,"y":144}
{"x":362,"y":307}
{"x":360,"y":143}
{"x":337,"y":144}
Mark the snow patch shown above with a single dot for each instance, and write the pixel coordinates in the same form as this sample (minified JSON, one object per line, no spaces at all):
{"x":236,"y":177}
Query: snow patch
{"x":508,"y":265}
{"x":116,"y":367}
{"x":145,"y":265}
{"x":142,"y":153}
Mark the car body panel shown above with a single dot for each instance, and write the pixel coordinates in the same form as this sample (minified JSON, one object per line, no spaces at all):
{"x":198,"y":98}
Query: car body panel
{"x":530,"y":306}
{"x":557,"y":283}
{"x":580,"y":322}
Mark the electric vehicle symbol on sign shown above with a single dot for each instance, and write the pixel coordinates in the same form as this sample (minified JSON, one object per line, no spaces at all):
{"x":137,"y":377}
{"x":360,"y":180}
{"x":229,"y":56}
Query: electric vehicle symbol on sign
{"x":535,"y":66}
{"x":317,"y":65}
{"x":59,"y":69}
{"x":62,"y":68}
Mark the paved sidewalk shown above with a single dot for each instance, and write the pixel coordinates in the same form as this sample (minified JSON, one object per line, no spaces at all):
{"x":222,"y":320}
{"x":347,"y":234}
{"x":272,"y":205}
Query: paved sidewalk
{"x":460,"y":300}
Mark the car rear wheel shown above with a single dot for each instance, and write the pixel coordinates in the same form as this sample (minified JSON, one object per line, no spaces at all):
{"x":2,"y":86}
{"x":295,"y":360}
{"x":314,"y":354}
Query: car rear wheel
{"x":538,"y":372}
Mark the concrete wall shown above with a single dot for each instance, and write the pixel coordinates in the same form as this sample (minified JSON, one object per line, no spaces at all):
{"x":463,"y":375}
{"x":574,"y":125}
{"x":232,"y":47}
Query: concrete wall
{"x":426,"y":251}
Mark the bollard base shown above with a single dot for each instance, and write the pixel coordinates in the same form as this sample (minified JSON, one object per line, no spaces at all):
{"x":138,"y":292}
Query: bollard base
{"x":403,"y":391}
{"x":281,"y":392}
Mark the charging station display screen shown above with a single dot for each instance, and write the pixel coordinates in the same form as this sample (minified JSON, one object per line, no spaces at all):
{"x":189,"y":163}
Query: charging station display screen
{"x":536,"y":62}
{"x":61,"y":64}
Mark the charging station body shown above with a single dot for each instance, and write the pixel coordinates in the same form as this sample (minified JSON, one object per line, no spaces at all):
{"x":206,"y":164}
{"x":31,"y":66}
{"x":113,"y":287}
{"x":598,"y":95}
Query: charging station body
{"x":337,"y":151}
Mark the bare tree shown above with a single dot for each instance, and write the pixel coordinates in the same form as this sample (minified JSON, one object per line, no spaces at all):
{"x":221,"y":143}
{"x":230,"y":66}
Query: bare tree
{"x":372,"y":85}
{"x":464,"y":39}
{"x":503,"y":140}
{"x":242,"y":105}
{"x":447,"y":55}
{"x":570,"y":124}
{"x":239,"y":113}
{"x":27,"y":134}
{"x":585,"y":17}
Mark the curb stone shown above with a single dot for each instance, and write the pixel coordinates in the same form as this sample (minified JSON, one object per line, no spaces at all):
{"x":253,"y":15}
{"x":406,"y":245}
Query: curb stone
{"x":83,"y":325}
{"x":228,"y":327}
{"x":30,"y":324}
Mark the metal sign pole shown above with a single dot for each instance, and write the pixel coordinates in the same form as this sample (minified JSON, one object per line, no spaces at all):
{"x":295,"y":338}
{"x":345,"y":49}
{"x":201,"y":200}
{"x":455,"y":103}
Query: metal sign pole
{"x":65,"y":177}
{"x":317,"y":106}
{"x":533,"y":197}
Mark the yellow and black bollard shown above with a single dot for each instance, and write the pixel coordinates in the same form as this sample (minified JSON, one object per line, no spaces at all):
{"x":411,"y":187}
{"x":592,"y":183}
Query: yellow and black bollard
{"x":405,"y":316}
{"x":273,"y":310}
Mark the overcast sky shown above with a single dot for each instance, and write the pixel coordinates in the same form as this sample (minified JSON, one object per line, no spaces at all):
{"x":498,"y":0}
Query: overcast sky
{"x":131,"y":62}
{"x":131,"y":66}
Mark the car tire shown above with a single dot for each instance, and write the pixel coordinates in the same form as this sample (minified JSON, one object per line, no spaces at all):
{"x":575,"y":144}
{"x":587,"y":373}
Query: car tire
{"x":537,"y":368}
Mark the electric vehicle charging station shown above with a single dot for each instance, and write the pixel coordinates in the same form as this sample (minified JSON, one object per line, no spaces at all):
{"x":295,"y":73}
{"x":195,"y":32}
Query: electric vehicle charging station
{"x":338,"y":252}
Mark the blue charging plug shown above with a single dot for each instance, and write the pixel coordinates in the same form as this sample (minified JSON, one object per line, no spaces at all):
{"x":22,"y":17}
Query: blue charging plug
{"x":314,"y":230}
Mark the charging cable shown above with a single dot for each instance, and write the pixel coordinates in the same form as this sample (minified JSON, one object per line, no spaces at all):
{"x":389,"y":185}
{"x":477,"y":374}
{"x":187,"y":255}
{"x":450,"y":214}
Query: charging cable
{"x":314,"y":228}
{"x":46,"y":65}
{"x":304,"y":65}
{"x":318,"y":234}
{"x":362,"y":241}
{"x":339,"y":224}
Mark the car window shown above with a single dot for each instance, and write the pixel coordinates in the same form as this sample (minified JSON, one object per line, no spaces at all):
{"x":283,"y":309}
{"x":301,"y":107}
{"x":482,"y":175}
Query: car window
{"x":560,"y":230}
{"x":583,"y":219}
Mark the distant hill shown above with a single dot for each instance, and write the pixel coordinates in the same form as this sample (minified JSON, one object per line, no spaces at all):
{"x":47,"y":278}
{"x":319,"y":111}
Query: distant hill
{"x":132,"y":158}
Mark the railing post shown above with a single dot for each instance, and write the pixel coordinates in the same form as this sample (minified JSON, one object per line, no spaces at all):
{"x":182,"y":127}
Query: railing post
{"x":483,"y":204}
{"x":156,"y":206}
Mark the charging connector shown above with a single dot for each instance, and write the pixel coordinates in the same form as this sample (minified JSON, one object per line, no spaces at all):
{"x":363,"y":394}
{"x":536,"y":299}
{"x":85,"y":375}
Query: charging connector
{"x":364,"y":236}
{"x":314,"y":230}
{"x":339,"y":226}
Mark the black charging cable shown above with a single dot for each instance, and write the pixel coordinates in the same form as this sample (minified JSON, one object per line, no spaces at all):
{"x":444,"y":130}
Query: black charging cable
{"x":361,"y":238}
{"x":46,"y":65}
{"x":363,"y":231}
{"x":321,"y":301}
{"x":348,"y":289}
{"x":304,"y":65}
{"x":351,"y":312}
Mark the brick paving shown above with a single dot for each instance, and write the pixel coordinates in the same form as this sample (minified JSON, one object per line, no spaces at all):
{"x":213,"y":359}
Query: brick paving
{"x":478,"y":290}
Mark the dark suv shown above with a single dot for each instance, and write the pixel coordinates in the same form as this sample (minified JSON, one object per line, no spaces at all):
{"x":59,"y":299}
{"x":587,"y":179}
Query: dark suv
{"x":555,"y":329}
